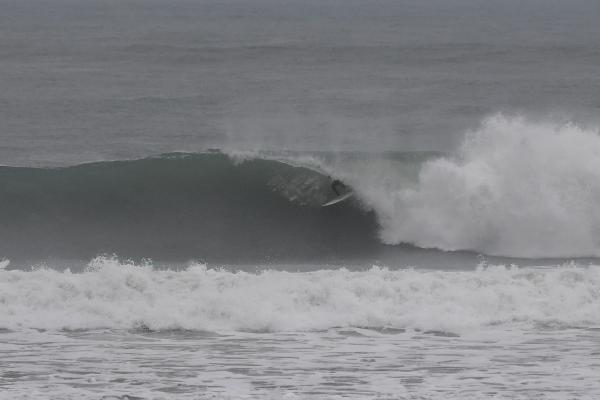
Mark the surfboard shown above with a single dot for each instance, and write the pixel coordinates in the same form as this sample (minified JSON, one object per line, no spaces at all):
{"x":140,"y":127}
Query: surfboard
{"x":338,"y":199}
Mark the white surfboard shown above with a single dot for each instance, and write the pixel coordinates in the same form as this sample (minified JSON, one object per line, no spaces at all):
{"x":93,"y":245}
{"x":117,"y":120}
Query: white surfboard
{"x":338,"y":199}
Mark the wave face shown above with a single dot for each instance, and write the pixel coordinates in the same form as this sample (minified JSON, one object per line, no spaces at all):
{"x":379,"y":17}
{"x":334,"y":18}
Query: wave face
{"x":516,"y":188}
{"x":125,"y":296}
{"x":178,"y":206}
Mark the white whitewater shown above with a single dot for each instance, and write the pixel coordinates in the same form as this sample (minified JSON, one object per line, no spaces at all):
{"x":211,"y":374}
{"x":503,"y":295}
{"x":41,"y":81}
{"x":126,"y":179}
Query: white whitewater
{"x":517,"y":188}
{"x":126,"y":296}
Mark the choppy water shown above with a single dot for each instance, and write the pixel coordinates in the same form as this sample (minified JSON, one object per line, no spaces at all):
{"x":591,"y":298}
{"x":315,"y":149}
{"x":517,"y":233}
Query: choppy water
{"x":544,"y":362}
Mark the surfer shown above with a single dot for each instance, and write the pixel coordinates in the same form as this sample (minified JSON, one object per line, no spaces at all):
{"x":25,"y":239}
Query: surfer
{"x":338,"y":187}
{"x":341,"y":190}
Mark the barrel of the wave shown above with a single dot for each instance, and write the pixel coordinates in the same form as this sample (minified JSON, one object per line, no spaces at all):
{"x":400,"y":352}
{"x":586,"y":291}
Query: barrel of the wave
{"x":177,"y":207}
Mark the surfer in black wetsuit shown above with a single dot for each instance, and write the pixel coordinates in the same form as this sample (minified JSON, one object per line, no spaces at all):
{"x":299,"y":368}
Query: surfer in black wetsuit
{"x":338,"y":187}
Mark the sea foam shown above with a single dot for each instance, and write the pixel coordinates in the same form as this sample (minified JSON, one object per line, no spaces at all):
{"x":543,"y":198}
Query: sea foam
{"x":110,"y":294}
{"x":516,"y":188}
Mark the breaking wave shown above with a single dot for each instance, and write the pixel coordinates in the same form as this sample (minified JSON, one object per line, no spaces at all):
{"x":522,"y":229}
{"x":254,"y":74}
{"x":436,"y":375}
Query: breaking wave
{"x":179,"y":206}
{"x":516,"y":188}
{"x":117,"y":295}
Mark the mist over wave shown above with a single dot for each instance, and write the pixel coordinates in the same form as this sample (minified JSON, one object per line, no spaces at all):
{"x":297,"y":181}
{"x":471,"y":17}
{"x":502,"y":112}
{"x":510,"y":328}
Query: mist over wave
{"x":111,"y":294}
{"x":517,"y":188}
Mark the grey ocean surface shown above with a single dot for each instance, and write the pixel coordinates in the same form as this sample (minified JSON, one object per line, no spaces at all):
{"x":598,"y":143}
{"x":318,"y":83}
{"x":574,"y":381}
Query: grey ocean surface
{"x":163,"y":166}
{"x":94,"y":80}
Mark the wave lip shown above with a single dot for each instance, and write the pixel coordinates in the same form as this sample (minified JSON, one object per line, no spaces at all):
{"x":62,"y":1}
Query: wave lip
{"x":117,"y":295}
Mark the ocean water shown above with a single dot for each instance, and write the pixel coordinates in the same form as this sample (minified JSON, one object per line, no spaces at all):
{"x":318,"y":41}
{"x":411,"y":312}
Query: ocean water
{"x":133,"y":331}
{"x":163,"y":167}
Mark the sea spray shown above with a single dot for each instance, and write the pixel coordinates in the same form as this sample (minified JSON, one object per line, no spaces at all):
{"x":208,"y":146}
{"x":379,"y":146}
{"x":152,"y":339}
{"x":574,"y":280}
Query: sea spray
{"x":516,"y":188}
